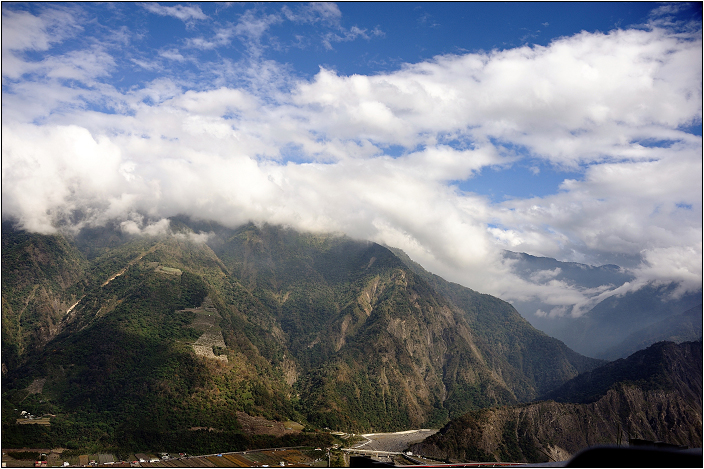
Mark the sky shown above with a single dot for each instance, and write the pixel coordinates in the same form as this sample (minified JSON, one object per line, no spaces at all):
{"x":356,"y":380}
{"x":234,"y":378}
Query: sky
{"x":454,"y":131}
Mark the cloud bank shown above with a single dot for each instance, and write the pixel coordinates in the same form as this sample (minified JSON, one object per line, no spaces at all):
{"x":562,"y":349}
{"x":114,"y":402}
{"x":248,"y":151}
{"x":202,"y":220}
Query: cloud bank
{"x":378,"y":157}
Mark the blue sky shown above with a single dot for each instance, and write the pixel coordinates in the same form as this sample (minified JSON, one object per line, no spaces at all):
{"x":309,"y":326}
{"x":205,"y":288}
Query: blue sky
{"x":451,"y":130}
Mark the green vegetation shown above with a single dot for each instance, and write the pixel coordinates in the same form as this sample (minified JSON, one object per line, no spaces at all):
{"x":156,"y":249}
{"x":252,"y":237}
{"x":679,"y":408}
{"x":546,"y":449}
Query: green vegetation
{"x":41,"y":275}
{"x":337,"y":459}
{"x":318,"y":329}
{"x":29,"y":455}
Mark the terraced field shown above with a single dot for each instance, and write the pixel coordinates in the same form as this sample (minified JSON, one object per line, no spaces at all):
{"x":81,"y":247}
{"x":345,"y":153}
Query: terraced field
{"x":207,"y":321}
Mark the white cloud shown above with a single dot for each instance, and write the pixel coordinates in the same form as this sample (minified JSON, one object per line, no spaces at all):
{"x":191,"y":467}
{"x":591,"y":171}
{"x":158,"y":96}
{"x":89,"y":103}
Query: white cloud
{"x":254,"y":26}
{"x":543,"y":275}
{"x":184,"y":13}
{"x":172,"y":54}
{"x":605,"y":89}
{"x":198,"y":238}
{"x":313,"y":12}
{"x":137,"y":225}
{"x":22,"y":31}
{"x":679,"y":263}
{"x":347,"y":35}
{"x":222,"y":37}
{"x":83,"y":66}
{"x":54,"y":171}
{"x":312,"y":154}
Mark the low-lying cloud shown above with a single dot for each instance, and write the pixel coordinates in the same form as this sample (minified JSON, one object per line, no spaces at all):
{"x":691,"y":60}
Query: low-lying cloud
{"x":377,"y":157}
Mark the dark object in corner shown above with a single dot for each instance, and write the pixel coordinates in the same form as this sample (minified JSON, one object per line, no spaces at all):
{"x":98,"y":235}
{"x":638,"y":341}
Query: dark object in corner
{"x":657,"y":444}
{"x":618,"y":456}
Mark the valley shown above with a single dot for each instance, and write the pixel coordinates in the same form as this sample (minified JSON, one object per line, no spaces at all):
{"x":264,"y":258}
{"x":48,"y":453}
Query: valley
{"x":654,"y":395}
{"x":618,"y":325}
{"x":392,"y":442}
{"x":380,"y":446}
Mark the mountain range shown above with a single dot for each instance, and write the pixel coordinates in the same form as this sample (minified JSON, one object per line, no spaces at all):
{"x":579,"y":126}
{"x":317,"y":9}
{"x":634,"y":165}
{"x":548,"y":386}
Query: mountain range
{"x":159,"y":342}
{"x":167,"y":333}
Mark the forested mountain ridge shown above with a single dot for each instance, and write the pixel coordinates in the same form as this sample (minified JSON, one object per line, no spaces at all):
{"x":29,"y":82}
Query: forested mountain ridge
{"x":655,"y":394}
{"x":321,"y":329}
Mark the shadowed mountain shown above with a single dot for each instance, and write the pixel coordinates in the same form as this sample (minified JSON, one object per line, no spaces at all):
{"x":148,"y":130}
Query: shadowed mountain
{"x":655,"y":394}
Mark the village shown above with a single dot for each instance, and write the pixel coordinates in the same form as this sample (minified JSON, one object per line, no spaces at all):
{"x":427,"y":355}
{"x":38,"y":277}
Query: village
{"x":277,"y":457}
{"x":386,"y":448}
{"x":27,"y":418}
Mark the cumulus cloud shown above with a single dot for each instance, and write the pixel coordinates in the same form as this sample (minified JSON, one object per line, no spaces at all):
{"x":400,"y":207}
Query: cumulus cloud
{"x":682,"y":263}
{"x":377,"y":157}
{"x":612,"y":89}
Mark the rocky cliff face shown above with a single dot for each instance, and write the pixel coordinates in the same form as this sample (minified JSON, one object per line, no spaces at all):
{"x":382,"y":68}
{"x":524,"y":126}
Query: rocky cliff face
{"x":551,"y":431}
{"x":665,"y":405}
{"x":375,"y":346}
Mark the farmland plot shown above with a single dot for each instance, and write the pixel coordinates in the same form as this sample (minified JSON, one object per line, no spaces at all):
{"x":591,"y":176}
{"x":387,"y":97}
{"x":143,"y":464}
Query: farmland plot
{"x":207,"y":321}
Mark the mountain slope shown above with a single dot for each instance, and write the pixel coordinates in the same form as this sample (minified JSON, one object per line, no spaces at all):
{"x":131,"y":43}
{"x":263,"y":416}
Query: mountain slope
{"x":381,"y":335}
{"x":167,"y":334}
{"x":610,"y":322}
{"x":123,"y":370}
{"x":524,"y":356}
{"x":654,"y":394}
{"x":41,"y":279}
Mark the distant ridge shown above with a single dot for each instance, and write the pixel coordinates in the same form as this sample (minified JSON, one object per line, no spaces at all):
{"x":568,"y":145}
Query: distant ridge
{"x":610,"y":322}
{"x":679,"y":328}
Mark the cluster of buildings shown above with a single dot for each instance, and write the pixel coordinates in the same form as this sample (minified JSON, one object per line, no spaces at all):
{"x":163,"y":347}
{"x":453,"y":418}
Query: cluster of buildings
{"x":27,"y":418}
